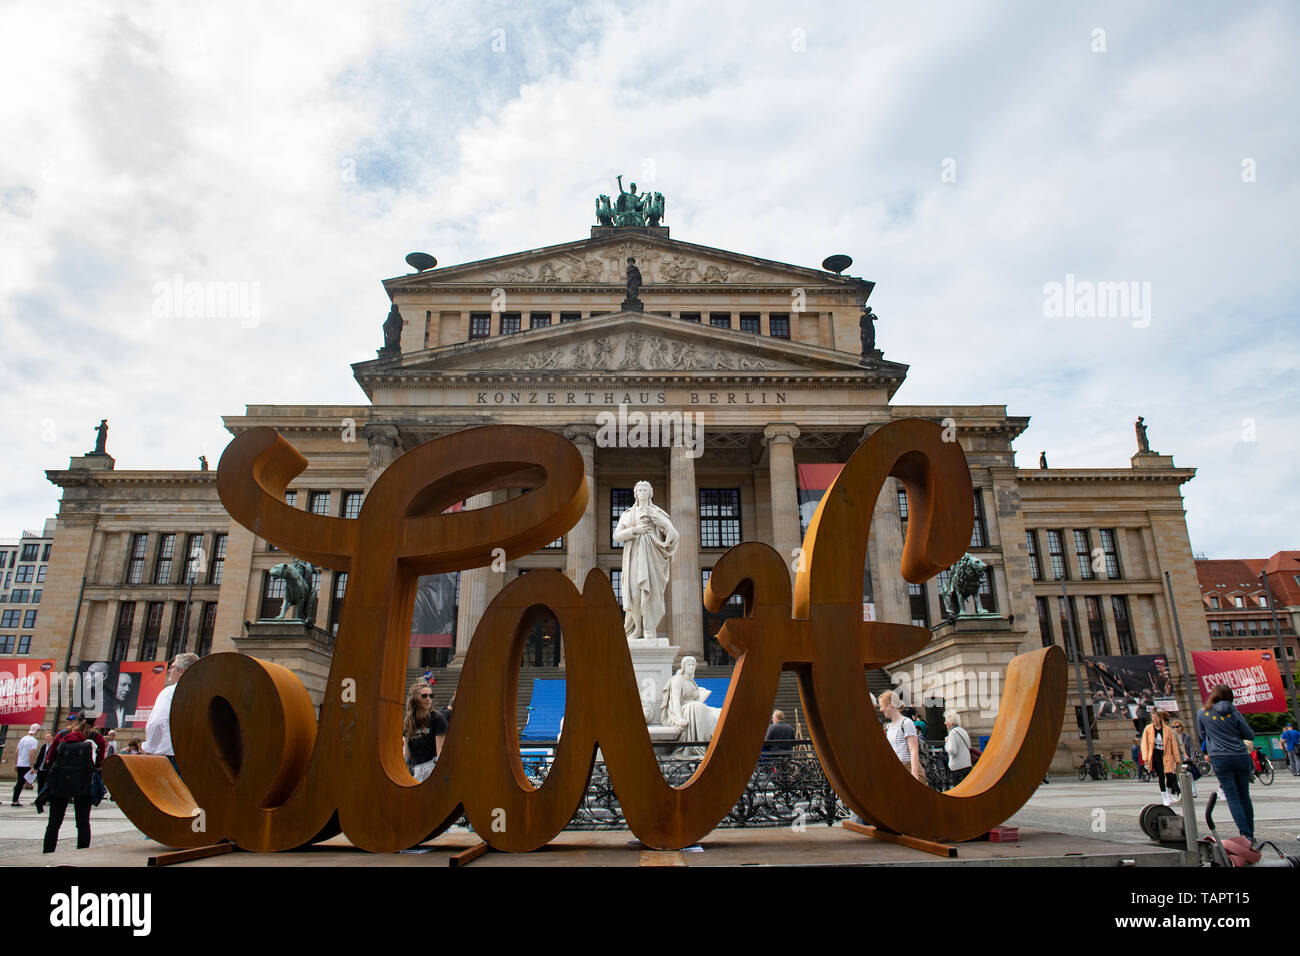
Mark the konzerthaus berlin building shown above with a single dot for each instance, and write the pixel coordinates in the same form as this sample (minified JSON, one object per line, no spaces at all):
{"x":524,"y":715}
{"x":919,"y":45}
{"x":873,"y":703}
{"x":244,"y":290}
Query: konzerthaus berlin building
{"x":766,"y":356}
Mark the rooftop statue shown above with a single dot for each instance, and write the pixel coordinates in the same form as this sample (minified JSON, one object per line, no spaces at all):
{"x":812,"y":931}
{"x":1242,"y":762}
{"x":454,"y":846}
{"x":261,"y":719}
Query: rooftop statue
{"x":630,"y":208}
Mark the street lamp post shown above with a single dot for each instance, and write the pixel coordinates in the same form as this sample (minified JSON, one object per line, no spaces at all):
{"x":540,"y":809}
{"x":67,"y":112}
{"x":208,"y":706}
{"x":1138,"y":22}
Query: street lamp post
{"x":1282,"y":661}
{"x":1078,"y":674}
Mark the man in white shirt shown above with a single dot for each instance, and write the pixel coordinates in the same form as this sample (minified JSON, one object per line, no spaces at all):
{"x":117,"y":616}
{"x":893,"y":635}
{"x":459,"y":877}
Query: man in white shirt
{"x":23,"y":760}
{"x":158,"y":731}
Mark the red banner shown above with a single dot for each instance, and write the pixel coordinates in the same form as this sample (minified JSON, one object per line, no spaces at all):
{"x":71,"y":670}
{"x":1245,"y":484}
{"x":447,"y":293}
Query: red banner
{"x":24,"y":690}
{"x":1253,"y":676}
{"x":124,"y":691}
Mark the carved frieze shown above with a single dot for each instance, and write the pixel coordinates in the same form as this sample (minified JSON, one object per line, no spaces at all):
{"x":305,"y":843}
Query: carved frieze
{"x":630,"y":352}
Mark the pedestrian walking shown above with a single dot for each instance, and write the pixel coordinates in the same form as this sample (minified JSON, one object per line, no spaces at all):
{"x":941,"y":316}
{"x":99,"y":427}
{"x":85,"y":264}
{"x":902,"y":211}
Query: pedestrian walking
{"x":158,"y":730}
{"x":24,"y":758}
{"x":1189,"y":761}
{"x":1162,"y":753}
{"x":1291,"y":743}
{"x":42,"y":775}
{"x":902,"y":736}
{"x":957,"y":746}
{"x":73,"y":757}
{"x":1223,"y":730}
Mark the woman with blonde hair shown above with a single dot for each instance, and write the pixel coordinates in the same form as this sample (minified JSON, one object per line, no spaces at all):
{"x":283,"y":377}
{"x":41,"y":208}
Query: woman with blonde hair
{"x":1162,"y":752}
{"x":423,"y":731}
{"x":901,"y":734}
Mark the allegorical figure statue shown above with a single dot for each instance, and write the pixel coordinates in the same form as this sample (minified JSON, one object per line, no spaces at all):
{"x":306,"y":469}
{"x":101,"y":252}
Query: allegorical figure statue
{"x":101,"y":437}
{"x":684,"y":707}
{"x":629,"y":208}
{"x":203,"y":462}
{"x":867,"y":329}
{"x":654,"y":209}
{"x":604,"y":211}
{"x":393,"y":330}
{"x":298,"y":591}
{"x":633,"y":279}
{"x":1141,"y":429}
{"x":649,"y":543}
{"x":1042,"y":459}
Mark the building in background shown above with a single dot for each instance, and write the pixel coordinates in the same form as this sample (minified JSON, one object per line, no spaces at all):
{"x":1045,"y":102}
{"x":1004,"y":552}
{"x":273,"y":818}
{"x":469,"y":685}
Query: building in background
{"x":1236,"y":603}
{"x":24,"y":569}
{"x":780,"y":366}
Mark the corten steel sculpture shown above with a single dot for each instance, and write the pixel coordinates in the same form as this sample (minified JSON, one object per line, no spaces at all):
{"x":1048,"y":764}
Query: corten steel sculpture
{"x":292,"y":781}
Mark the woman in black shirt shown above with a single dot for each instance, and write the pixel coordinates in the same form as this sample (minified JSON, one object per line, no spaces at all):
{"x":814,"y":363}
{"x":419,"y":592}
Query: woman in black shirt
{"x":423,"y":731}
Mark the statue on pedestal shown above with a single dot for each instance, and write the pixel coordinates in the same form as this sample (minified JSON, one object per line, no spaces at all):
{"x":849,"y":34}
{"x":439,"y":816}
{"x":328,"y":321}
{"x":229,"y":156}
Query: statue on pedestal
{"x":649,"y":543}
{"x":867,"y":331}
{"x":1042,"y":459}
{"x":101,"y":437}
{"x":1144,"y":446}
{"x":684,"y":707}
{"x":298,"y":590}
{"x":964,"y":580}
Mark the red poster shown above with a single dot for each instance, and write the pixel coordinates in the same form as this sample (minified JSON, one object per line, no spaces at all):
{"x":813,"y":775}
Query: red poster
{"x":1253,"y":676}
{"x":122,"y":693}
{"x":24,"y":689}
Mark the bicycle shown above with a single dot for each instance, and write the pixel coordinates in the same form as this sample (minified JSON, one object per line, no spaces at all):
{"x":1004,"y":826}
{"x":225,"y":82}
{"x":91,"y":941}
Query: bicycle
{"x":1265,"y":772}
{"x":1126,"y":769}
{"x":1093,"y":766}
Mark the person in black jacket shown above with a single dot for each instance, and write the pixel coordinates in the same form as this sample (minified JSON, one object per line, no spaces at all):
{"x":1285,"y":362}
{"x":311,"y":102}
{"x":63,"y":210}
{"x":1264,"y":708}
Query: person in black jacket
{"x":70,"y":770}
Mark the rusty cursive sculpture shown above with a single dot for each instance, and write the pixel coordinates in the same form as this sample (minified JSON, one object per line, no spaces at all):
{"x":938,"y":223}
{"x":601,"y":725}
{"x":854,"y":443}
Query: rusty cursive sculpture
{"x":297,"y":781}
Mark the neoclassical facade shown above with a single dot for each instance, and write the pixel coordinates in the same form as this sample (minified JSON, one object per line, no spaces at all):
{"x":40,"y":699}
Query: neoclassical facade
{"x":761,"y":366}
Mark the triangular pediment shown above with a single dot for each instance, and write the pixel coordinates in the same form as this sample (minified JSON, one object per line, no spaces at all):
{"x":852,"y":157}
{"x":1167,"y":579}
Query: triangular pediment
{"x":629,"y":343}
{"x":602,"y":260}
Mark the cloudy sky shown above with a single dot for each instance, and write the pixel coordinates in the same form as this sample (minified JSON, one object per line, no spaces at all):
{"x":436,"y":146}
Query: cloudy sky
{"x":965,"y":155}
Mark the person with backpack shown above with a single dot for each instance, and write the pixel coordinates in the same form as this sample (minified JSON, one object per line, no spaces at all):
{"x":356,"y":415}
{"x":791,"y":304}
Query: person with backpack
{"x":72,"y":759}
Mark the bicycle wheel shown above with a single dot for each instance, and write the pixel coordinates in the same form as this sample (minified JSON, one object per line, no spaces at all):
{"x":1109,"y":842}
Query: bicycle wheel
{"x":1083,"y":770}
{"x":1266,"y":775}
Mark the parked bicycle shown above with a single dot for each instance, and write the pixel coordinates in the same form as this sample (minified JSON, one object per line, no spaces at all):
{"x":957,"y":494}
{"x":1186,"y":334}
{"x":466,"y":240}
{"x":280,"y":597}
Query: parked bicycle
{"x":1093,"y":766}
{"x":1263,"y":766}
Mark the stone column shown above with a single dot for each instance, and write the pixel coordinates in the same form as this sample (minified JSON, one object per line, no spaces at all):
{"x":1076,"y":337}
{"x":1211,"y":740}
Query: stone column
{"x":686,"y":612}
{"x":385,"y":443}
{"x":580,"y":551}
{"x":779,"y":440}
{"x":473,"y":593}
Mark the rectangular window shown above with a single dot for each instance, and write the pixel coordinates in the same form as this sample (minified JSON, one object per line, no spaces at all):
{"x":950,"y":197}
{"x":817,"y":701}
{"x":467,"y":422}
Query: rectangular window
{"x":193,"y":558}
{"x":620,"y":499}
{"x":6,"y":643}
{"x":29,"y":619}
{"x":30,"y":551}
{"x":1056,"y":554}
{"x":1237,"y":600}
{"x":616,"y":582}
{"x":9,"y":619}
{"x":1253,"y":627}
{"x":1065,"y":613}
{"x":218,"y":559}
{"x":152,"y":630}
{"x":45,"y":553}
{"x":539,"y":320}
{"x":1123,"y":629}
{"x":290,"y":499}
{"x":556,"y":545}
{"x":705,"y":574}
{"x":480,"y":325}
{"x":509,"y":323}
{"x":1214,"y":602}
{"x":1035,"y":563}
{"x":207,"y":628}
{"x":180,"y":628}
{"x":979,"y":532}
{"x":1266,"y":627}
{"x":25,"y":644}
{"x":988,"y":595}
{"x":690,"y":316}
{"x":720,"y":320}
{"x":920,"y":605}
{"x":135,"y":565}
{"x":1112,"y":554}
{"x":1263,"y":599}
{"x":570,"y":316}
{"x":1096,"y":627}
{"x":1241,"y":628}
{"x":719,"y":517}
{"x":1083,"y":555}
{"x":1044,"y":622}
{"x":902,"y":508}
{"x":749,"y":322}
{"x":162,"y":569}
{"x":352,"y":503}
{"x":272,"y":596}
{"x":122,"y":633}
{"x":779,"y":326}
{"x":25,"y":574}
{"x":336,"y":602}
{"x":36,"y":596}
{"x":1214,"y":629}
{"x":319,"y":503}
{"x":40,"y":576}
{"x":19,"y":596}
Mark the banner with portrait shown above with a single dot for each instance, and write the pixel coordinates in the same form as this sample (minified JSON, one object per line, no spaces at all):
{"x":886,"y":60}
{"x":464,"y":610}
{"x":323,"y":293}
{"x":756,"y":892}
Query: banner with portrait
{"x":121,"y":694}
{"x":1253,"y":676}
{"x":24,"y":690}
{"x":433,"y":621}
{"x":1129,"y":687}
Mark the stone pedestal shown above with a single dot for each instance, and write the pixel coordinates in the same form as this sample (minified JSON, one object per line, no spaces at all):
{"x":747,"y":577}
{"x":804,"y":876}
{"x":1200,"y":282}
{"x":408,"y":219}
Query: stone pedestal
{"x":652,"y":662}
{"x":304,"y":649}
{"x":92,"y":461}
{"x":965,"y":664}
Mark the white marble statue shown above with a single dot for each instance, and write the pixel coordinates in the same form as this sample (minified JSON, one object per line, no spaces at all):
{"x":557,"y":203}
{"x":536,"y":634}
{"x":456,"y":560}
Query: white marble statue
{"x":684,"y":707}
{"x":649,"y":543}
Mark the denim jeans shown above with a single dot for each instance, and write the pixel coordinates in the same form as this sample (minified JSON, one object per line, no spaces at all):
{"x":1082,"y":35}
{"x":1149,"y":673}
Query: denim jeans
{"x":1234,"y":772}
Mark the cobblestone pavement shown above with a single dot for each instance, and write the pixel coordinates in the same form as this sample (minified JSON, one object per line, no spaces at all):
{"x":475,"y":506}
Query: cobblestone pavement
{"x":1066,"y":806}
